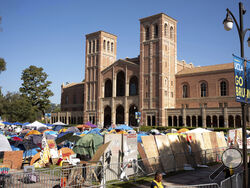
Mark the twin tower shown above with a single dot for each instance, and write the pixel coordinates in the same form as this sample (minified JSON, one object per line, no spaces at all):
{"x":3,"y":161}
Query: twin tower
{"x":157,"y":66}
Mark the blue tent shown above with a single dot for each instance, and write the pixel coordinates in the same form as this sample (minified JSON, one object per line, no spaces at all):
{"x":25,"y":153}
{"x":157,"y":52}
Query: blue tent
{"x":57,"y":128}
{"x":6,"y":123}
{"x":95,"y":131}
{"x":124,"y":127}
{"x":50,"y":132}
{"x":139,"y":135}
{"x":17,"y":123}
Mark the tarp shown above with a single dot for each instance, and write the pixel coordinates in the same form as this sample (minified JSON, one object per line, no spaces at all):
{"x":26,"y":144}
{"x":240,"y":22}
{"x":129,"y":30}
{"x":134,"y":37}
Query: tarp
{"x":5,"y":145}
{"x":73,"y":129}
{"x":124,"y":127}
{"x":35,"y":125}
{"x":88,"y":145}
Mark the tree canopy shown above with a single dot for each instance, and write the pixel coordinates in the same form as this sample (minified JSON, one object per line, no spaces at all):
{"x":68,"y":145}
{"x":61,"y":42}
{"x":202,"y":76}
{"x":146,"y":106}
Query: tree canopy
{"x":2,"y":65}
{"x":35,"y":88}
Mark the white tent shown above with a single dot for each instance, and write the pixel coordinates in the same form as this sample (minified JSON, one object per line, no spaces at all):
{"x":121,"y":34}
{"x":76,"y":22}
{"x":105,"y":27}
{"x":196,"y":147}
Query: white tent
{"x":5,"y":145}
{"x":35,"y":125}
{"x":59,"y":123}
{"x":198,"y":130}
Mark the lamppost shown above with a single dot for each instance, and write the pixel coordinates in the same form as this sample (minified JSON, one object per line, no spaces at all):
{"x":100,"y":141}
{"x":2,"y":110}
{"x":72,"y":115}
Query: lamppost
{"x":228,"y":25}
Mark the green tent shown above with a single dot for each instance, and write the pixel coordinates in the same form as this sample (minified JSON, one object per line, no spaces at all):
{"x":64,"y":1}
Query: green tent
{"x":88,"y":144}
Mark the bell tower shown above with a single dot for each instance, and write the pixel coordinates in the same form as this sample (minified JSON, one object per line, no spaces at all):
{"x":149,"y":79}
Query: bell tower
{"x":100,"y":53}
{"x":158,"y":59}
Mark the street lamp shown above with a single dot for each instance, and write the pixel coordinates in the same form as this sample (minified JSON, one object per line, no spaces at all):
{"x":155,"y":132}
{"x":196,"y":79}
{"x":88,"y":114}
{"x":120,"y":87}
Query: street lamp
{"x":228,"y":25}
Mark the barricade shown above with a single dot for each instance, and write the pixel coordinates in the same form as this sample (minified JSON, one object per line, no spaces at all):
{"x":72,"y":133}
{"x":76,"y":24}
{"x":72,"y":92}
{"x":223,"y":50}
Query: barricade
{"x":210,"y":185}
{"x":99,"y":175}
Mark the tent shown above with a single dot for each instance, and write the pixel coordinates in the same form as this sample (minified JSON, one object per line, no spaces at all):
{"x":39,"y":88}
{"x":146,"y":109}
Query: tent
{"x":73,"y":129}
{"x":59,"y":123}
{"x":88,"y":144}
{"x":33,"y":132}
{"x":35,"y":125}
{"x":91,"y":125}
{"x":5,"y":145}
{"x":57,"y":128}
{"x":198,"y":130}
{"x":123,"y":127}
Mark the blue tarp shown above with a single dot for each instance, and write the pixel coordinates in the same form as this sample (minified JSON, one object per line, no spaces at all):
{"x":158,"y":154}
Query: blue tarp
{"x":93,"y":131}
{"x":27,"y":153}
{"x":50,"y":132}
{"x":124,"y":127}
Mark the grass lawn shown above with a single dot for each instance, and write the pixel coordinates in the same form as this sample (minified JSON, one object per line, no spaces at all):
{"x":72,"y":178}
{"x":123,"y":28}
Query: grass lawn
{"x":131,"y":183}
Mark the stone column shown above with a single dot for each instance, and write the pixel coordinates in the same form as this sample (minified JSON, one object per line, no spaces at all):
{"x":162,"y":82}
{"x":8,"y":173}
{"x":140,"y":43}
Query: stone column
{"x":225,"y":117}
{"x":58,"y":116}
{"x":184,"y":116}
{"x":203,"y":115}
{"x":67,"y":118}
{"x":126,"y":108}
{"x":234,"y":121}
{"x":197,"y":121}
{"x":113,"y":110}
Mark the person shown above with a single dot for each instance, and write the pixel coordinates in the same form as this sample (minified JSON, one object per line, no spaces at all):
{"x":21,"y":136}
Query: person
{"x":156,"y":183}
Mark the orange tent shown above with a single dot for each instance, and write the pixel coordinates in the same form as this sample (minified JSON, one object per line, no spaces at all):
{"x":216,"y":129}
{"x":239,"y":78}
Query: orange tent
{"x":33,"y":132}
{"x":66,"y":152}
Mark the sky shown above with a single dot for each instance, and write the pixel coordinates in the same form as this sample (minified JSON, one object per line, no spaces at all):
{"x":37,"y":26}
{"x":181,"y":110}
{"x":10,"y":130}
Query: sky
{"x":51,"y":34}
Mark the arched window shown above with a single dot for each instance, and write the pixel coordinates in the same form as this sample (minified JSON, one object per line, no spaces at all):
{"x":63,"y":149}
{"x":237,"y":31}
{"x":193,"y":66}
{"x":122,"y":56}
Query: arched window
{"x":108,"y":88}
{"x":171,"y":32}
{"x":108,"y":46}
{"x":147,"y":33}
{"x":203,"y":89}
{"x":89,"y":46}
{"x":155,"y":31}
{"x":112,"y":46}
{"x":165,"y":29}
{"x":185,"y":91}
{"x":104,"y":44}
{"x":93,"y":46}
{"x":223,"y":88}
{"x":133,"y":86}
{"x":120,"y":84}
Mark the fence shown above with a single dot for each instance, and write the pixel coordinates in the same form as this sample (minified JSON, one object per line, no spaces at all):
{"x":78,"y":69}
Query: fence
{"x":99,"y":175}
{"x":235,"y":181}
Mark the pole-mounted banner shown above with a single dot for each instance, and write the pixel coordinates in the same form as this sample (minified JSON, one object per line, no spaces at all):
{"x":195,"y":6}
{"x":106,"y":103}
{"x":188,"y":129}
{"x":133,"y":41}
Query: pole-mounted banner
{"x":239,"y":79}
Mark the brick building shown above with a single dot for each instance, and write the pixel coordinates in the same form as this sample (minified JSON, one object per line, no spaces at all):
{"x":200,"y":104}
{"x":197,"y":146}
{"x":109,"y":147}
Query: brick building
{"x":166,"y":91}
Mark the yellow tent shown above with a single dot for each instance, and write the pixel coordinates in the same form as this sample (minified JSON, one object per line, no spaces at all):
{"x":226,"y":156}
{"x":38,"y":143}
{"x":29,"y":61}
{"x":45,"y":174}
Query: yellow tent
{"x":33,"y":132}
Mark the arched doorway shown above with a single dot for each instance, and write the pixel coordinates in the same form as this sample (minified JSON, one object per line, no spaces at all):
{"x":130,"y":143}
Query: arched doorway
{"x":215,"y":121}
{"x":180,"y":121}
{"x":221,"y":121}
{"x":132,"y":120}
{"x":237,"y":121}
{"x":199,"y":121}
{"x":188,"y":121}
{"x":120,"y":84}
{"x":231,"y":121}
{"x":108,"y":88}
{"x":208,"y":121}
{"x":193,"y":121}
{"x":175,"y":121}
{"x":170,"y":123}
{"x":107,"y":116}
{"x":119,"y":115}
{"x":133,"y":86}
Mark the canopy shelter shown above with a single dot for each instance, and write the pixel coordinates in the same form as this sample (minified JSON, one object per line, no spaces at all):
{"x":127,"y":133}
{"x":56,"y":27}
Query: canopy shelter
{"x":59,"y":123}
{"x":5,"y":145}
{"x":35,"y":125}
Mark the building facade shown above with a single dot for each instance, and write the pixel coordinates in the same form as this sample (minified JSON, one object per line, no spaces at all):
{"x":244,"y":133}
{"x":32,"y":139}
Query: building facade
{"x":166,"y":91}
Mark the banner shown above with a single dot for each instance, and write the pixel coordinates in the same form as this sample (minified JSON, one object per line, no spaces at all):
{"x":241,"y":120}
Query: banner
{"x":248,"y":81}
{"x":239,"y":79}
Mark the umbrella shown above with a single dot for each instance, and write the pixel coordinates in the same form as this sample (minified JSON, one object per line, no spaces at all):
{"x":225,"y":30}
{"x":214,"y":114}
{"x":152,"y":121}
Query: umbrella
{"x":63,"y":136}
{"x":123,"y":127}
{"x":15,"y":138}
{"x":32,"y":132}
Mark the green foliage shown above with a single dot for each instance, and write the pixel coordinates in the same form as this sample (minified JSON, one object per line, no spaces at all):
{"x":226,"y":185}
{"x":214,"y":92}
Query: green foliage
{"x":15,"y":107}
{"x":54,"y":108}
{"x":35,"y":88}
{"x":2,"y":65}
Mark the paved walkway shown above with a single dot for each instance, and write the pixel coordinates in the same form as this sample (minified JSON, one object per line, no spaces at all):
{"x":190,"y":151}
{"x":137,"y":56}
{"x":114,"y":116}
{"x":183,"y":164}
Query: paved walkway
{"x":194,"y":177}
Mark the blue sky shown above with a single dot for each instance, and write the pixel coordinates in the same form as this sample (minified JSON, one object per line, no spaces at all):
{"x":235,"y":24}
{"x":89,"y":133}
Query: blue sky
{"x":51,"y":34}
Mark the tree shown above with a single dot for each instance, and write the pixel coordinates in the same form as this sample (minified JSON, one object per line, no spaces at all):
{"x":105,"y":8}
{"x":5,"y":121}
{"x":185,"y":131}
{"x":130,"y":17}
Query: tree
{"x":35,"y":88}
{"x":2,"y":65}
{"x":16,"y":107}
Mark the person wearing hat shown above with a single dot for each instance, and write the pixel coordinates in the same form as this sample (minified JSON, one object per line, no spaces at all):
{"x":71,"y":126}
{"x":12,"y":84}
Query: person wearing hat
{"x":156,"y":183}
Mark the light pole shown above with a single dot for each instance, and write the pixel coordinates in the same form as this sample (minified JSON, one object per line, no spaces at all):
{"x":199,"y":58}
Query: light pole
{"x":228,"y":25}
